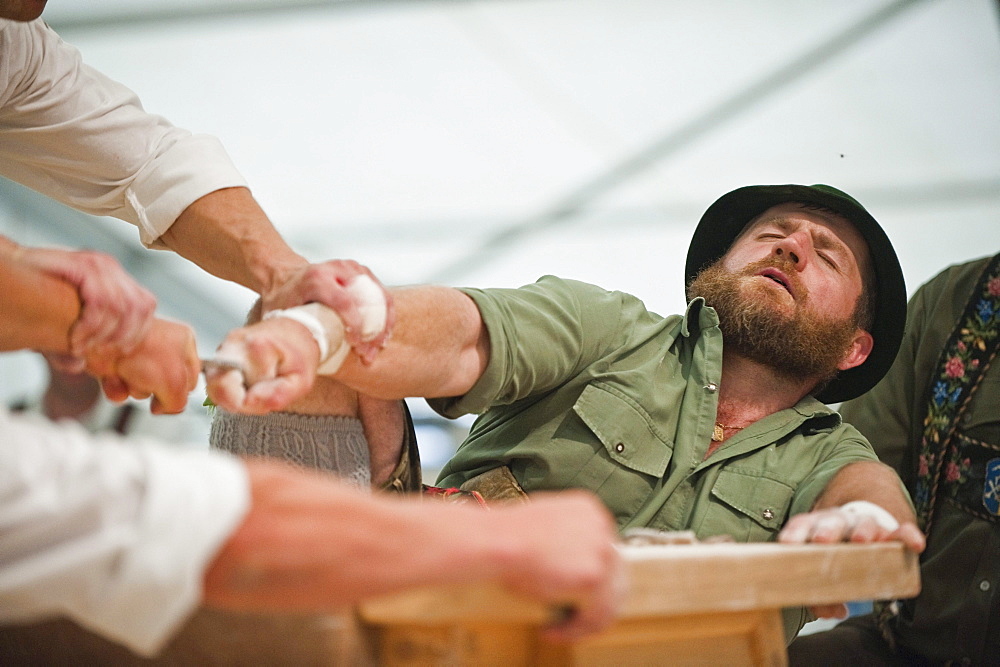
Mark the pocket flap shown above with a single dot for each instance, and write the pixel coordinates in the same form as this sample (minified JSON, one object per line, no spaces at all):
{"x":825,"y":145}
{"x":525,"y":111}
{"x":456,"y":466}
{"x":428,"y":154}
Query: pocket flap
{"x":626,"y":432}
{"x":766,"y":501}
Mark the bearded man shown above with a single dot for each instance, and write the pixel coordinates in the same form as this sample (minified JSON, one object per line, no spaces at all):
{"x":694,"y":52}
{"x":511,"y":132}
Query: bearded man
{"x":713,"y":421}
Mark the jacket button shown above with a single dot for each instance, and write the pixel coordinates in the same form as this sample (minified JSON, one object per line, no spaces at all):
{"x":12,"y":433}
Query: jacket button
{"x":768,"y":514}
{"x":711,"y":387}
{"x":620,"y":448}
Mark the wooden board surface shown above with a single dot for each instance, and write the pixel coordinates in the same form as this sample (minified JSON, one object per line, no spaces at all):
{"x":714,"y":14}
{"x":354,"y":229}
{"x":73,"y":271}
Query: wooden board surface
{"x":696,"y":603}
{"x":685,"y":579}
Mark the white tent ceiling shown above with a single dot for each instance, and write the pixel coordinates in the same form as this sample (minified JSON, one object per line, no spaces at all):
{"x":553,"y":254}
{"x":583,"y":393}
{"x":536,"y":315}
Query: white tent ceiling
{"x":489,"y":142}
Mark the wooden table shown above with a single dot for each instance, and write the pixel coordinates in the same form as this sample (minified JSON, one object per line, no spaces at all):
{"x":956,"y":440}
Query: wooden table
{"x":685,"y":604}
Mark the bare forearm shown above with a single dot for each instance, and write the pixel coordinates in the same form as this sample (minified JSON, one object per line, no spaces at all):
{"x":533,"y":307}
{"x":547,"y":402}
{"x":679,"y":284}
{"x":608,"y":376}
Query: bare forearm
{"x":37,"y":311}
{"x":439,"y":347}
{"x":228,"y":234}
{"x":310,"y":544}
{"x":837,"y":517}
{"x":872,"y":481}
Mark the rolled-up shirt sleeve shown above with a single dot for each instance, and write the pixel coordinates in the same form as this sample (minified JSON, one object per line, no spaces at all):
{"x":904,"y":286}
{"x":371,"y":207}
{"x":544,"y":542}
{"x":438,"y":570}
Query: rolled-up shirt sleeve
{"x":842,"y":447}
{"x":540,"y":335}
{"x":73,"y":134}
{"x":113,"y":534}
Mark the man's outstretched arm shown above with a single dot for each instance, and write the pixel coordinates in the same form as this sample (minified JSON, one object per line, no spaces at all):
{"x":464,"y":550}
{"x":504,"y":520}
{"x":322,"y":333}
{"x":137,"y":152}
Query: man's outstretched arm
{"x":228,"y":234}
{"x":310,"y":544}
{"x":439,"y":347}
{"x":864,"y":502}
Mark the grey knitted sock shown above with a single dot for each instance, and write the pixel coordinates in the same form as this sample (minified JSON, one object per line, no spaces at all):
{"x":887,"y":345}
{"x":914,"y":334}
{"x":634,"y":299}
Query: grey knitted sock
{"x":333,"y":443}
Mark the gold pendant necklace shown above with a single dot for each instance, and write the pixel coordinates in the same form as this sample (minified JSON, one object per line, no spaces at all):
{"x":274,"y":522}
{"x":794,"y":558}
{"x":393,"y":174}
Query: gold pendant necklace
{"x":719,"y":431}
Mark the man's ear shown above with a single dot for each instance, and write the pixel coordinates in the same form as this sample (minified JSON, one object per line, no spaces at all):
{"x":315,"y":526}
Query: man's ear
{"x":858,"y":351}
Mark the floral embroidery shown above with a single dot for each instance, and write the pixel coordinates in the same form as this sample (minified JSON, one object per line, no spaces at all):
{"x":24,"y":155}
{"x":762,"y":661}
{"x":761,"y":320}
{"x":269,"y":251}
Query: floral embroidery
{"x":955,"y":368}
{"x":956,"y":471}
{"x":986,"y":311}
{"x":965,"y":355}
{"x":968,"y":350}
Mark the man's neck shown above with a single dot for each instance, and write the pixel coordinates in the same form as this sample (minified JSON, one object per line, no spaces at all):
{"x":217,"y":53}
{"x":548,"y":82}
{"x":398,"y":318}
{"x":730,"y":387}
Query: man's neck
{"x":750,"y":391}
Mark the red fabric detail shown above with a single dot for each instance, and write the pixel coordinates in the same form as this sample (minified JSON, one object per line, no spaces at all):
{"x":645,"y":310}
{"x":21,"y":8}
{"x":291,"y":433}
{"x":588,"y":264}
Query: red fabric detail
{"x":455,"y":494}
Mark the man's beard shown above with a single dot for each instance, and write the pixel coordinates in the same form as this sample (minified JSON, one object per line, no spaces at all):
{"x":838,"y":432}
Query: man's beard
{"x":756,"y":324}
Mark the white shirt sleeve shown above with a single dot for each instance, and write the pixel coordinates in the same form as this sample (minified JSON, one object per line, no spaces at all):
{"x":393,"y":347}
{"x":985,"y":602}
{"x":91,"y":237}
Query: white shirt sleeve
{"x":73,"y":134}
{"x":114,"y":534}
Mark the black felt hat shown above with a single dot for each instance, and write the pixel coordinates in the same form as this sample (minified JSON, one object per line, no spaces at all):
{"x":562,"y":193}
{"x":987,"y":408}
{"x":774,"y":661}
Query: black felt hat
{"x":726,"y":218}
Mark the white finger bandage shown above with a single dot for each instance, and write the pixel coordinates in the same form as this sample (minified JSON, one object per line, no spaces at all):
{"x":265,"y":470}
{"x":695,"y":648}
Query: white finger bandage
{"x":862,"y":508}
{"x":307,"y":319}
{"x":327,"y":330}
{"x":370,"y":301}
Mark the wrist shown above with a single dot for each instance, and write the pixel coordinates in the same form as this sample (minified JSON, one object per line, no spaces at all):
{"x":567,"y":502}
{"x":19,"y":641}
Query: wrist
{"x":310,"y":322}
{"x":271,"y":274}
{"x":325,"y":328}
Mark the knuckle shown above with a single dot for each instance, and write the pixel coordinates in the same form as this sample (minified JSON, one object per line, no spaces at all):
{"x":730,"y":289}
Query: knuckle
{"x":98,"y":259}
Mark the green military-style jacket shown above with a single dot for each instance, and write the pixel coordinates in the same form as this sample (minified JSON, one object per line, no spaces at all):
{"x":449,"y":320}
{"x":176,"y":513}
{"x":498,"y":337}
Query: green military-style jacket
{"x":587,"y":389}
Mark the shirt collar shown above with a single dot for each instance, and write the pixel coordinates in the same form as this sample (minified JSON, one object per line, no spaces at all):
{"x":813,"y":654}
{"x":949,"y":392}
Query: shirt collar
{"x":697,"y":317}
{"x":818,"y":415}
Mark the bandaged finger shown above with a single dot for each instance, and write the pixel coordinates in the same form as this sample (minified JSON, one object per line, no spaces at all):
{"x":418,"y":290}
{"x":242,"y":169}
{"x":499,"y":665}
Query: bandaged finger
{"x":863,"y":509}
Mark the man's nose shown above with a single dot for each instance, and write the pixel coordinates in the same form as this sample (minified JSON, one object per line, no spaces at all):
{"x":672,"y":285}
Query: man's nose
{"x":794,"y":248}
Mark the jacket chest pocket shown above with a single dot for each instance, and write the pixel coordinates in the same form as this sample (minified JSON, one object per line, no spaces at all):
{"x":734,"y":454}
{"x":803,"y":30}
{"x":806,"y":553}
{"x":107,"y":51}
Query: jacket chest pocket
{"x":745,"y":506}
{"x":630,"y":455}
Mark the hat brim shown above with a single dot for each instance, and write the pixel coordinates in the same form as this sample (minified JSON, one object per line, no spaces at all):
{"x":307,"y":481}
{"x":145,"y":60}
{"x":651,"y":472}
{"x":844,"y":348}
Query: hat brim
{"x":726,"y":218}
